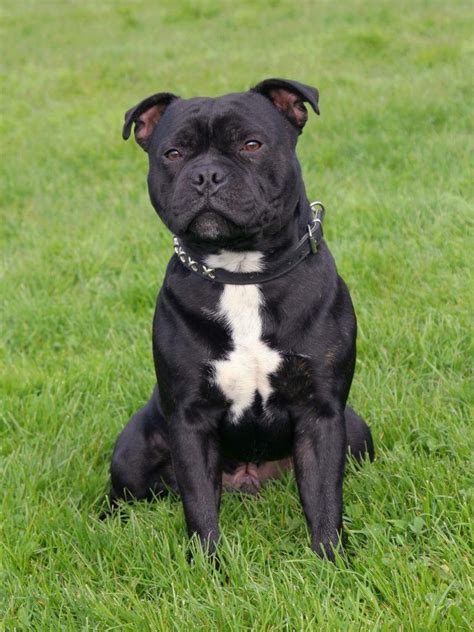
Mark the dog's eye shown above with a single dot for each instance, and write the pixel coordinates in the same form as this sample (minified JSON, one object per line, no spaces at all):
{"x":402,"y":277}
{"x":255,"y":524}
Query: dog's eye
{"x":252,"y":145}
{"x":173,"y":154}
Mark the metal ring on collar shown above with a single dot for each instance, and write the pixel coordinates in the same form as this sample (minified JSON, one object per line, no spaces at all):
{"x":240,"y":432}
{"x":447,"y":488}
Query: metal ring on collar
{"x":318,"y":209}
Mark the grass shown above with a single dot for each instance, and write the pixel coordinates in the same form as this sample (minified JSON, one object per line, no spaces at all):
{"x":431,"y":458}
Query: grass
{"x":83,"y":258}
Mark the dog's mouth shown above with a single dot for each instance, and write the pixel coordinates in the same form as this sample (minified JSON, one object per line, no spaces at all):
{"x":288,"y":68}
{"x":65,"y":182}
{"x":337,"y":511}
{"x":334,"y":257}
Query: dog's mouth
{"x":211,"y":226}
{"x":215,"y":227}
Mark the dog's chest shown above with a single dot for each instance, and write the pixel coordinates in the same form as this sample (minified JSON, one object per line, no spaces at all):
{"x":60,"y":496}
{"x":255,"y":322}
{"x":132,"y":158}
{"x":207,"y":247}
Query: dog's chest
{"x":244,"y":374}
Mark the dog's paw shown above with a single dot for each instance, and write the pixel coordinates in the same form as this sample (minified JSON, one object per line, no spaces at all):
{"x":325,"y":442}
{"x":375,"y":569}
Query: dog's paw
{"x":329,"y":549}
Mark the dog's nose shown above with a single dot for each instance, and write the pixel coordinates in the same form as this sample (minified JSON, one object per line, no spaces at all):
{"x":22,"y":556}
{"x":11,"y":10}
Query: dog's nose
{"x":208,"y":179}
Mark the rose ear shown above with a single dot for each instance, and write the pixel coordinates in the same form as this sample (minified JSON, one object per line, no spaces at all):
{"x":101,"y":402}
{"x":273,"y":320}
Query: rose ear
{"x":289,"y":97}
{"x":146,"y":115}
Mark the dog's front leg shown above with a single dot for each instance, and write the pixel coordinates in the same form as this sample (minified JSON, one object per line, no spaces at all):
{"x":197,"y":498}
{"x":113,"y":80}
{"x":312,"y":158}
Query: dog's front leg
{"x":197,"y":469}
{"x":319,"y":457}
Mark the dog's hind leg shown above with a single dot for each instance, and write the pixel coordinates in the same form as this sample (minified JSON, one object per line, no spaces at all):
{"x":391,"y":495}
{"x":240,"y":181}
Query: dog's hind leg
{"x":141,"y":462}
{"x":359,"y":437}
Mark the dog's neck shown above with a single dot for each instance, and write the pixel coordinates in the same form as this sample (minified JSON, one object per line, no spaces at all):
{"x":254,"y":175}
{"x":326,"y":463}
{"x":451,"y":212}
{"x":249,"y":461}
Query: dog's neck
{"x":269,"y":246}
{"x":250,"y":267}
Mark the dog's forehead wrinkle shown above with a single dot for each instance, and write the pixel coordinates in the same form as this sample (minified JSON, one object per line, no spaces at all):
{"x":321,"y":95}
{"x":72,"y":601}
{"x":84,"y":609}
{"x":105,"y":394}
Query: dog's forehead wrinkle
{"x":243,"y":112}
{"x":246,"y":109}
{"x":188,"y":131}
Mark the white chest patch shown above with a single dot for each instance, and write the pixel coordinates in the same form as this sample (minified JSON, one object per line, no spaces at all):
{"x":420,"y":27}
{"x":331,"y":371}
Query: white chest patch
{"x":246,"y":370}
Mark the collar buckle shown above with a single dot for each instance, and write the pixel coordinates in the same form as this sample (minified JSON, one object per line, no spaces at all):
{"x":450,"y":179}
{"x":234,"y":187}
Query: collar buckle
{"x":318,"y":211}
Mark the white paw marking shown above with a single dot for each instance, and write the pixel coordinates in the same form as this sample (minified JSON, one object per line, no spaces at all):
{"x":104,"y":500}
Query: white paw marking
{"x":248,"y":367}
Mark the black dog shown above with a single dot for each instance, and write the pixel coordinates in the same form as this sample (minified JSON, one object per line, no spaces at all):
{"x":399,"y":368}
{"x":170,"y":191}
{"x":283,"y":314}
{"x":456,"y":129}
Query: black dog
{"x":254,"y":331}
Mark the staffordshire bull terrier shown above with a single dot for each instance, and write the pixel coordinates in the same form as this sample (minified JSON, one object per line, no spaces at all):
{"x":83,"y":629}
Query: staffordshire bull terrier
{"x":254,"y":334}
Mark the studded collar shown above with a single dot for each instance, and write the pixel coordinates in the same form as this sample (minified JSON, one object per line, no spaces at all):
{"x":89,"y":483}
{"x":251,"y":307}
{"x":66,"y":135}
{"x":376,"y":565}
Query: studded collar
{"x":308,"y":244}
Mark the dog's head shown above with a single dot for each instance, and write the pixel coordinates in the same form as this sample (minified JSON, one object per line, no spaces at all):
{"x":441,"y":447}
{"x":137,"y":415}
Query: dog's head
{"x":224,"y":170}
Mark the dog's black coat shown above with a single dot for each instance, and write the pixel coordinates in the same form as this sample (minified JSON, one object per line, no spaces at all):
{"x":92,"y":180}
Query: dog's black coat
{"x":216,"y":189}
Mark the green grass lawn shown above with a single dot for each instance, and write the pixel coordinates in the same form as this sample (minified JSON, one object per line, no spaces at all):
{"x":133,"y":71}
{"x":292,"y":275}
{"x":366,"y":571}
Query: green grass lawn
{"x":84,"y":256}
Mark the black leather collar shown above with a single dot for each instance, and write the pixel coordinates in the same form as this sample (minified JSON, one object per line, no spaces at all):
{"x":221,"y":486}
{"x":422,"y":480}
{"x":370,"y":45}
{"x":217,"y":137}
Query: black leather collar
{"x":308,"y":244}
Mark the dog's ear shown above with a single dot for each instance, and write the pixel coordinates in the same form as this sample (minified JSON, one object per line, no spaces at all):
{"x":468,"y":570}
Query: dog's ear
{"x":289,"y":97}
{"x":146,"y":115}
